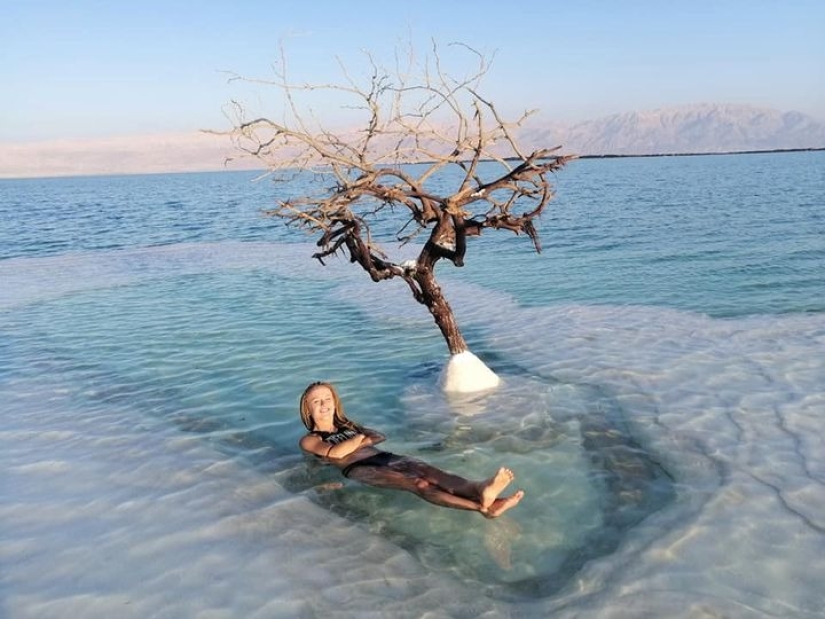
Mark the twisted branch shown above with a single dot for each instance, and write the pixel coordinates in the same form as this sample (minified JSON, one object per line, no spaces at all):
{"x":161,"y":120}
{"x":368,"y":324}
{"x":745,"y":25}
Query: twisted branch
{"x":431,"y":146}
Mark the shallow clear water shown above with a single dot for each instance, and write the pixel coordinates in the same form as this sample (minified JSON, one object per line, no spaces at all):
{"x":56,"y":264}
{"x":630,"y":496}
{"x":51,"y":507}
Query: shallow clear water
{"x":663,"y":363}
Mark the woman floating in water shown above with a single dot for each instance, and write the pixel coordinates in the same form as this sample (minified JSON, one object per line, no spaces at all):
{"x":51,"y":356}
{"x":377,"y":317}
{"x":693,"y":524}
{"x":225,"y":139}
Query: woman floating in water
{"x":350,"y":447}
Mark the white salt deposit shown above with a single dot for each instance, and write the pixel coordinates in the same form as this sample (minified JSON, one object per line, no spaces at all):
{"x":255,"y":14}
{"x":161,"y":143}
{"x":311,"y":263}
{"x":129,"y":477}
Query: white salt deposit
{"x":103,"y":518}
{"x":734,"y":409}
{"x":466,"y":373}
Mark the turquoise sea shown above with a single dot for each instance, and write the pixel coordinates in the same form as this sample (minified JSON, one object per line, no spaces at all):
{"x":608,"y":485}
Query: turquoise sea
{"x":662,"y":405}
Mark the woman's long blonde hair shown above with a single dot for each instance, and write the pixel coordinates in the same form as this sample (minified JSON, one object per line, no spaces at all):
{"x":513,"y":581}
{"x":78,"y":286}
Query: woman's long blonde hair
{"x":340,"y":419}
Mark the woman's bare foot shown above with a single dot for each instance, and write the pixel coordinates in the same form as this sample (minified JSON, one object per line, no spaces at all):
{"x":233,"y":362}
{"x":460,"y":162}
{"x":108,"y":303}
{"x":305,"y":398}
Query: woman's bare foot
{"x":500,"y":506}
{"x":495,"y":486}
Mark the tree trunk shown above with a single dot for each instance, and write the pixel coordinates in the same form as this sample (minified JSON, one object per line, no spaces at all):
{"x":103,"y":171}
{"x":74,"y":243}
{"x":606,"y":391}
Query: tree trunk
{"x":441,"y":311}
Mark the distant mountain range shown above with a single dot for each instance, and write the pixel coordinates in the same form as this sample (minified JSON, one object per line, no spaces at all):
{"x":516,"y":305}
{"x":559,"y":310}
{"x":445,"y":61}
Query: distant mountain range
{"x":709,"y":128}
{"x":705,"y":128}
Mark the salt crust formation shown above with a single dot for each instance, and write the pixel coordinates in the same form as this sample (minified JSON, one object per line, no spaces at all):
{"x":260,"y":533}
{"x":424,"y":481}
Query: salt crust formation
{"x":466,"y":373}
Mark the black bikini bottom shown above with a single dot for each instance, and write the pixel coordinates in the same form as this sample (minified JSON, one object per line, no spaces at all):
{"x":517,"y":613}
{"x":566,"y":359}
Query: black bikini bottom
{"x":382,"y":458}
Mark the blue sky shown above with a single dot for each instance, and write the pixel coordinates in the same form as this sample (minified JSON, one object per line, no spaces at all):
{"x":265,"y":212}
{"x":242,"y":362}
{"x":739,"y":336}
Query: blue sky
{"x":89,"y":69}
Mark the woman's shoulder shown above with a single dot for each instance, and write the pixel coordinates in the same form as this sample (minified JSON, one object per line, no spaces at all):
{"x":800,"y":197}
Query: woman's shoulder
{"x":309,"y":440}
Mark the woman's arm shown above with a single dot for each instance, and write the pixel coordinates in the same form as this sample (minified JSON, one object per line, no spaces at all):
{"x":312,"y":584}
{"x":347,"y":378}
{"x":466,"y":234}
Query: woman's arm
{"x":372,"y":437}
{"x":314,"y":445}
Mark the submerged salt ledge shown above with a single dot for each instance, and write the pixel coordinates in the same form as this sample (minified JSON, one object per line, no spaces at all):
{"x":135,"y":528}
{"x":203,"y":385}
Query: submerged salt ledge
{"x":151,"y":523}
{"x":734,"y":409}
{"x":103,"y":519}
{"x":738,"y":401}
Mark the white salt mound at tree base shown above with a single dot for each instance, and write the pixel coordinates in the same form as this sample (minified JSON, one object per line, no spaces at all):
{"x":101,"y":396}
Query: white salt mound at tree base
{"x":466,"y":373}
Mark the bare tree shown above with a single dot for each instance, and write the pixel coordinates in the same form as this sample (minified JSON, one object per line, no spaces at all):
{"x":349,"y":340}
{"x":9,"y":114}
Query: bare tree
{"x":421,"y":130}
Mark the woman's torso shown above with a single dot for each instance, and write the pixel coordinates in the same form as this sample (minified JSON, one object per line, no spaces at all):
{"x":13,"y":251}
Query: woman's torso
{"x":333,"y":438}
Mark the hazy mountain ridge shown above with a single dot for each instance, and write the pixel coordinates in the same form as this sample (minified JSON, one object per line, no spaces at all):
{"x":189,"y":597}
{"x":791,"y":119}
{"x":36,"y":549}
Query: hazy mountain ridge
{"x":704,"y":128}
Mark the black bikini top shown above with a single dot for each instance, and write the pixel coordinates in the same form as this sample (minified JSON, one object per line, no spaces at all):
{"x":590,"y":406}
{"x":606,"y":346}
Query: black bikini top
{"x":333,"y":438}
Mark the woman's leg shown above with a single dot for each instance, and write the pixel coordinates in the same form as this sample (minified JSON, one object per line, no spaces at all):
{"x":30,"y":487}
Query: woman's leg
{"x":441,"y":488}
{"x":447,"y":482}
{"x":485,"y":492}
{"x":385,"y":477}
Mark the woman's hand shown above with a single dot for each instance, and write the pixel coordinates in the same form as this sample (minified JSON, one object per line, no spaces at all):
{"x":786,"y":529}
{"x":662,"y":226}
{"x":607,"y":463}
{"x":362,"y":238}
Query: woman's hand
{"x":315,"y":445}
{"x":345,"y":448}
{"x":372,"y":437}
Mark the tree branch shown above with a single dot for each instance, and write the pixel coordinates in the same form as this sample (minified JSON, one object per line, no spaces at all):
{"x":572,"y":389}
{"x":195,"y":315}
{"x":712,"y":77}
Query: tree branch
{"x":430,"y":145}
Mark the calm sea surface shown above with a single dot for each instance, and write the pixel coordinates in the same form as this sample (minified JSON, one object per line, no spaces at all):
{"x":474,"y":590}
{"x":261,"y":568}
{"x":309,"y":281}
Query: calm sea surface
{"x":723,"y":235}
{"x":663,"y":361}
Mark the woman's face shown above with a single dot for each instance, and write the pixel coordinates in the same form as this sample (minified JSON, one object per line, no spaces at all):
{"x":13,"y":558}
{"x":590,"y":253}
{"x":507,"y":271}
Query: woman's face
{"x":321,"y":405}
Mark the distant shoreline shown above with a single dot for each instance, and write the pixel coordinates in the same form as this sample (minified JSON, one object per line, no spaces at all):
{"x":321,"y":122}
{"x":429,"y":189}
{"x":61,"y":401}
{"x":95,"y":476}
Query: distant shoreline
{"x":702,"y":154}
{"x":207,"y":170}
